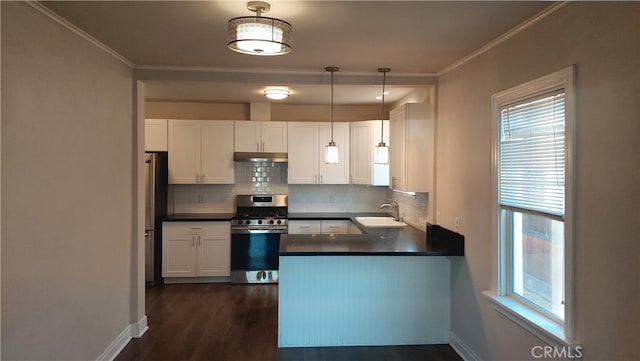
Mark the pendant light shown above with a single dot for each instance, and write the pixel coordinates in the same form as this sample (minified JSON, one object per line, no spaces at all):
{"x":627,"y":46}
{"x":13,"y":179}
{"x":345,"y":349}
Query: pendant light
{"x":381,"y":150}
{"x":331,"y":150}
{"x":259,"y":35}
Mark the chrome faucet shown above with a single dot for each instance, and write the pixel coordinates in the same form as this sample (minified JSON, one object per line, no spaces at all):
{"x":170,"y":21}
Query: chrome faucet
{"x":396,"y":209}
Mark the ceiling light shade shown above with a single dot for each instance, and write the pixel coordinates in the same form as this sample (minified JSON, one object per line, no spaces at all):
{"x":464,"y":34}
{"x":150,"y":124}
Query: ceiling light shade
{"x":258,"y":35}
{"x":381,"y":155}
{"x":332,"y":156}
{"x":276,"y":94}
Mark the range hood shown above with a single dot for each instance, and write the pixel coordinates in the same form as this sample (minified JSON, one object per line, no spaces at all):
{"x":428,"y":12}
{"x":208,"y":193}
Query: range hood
{"x":260,"y":157}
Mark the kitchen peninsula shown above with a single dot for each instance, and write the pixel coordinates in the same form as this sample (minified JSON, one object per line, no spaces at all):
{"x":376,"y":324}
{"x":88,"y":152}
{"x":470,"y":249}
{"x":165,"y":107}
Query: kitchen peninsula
{"x":387,"y":286}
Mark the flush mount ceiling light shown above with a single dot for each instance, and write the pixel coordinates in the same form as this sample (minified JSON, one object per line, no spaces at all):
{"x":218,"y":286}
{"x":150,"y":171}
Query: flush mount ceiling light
{"x":331,"y":150}
{"x":381,"y":150}
{"x":258,"y":35}
{"x":276,"y":94}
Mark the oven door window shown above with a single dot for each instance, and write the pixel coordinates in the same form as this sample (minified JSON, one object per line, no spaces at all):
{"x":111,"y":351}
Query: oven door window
{"x":255,"y":251}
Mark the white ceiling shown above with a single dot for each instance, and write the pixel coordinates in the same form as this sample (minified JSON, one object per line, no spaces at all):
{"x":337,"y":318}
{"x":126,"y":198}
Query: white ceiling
{"x":416,"y":39}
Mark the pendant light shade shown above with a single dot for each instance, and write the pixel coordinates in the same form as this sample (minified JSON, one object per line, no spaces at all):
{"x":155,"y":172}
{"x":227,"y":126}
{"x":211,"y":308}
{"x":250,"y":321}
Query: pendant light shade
{"x":258,"y":35}
{"x":332,"y":155}
{"x":381,"y":154}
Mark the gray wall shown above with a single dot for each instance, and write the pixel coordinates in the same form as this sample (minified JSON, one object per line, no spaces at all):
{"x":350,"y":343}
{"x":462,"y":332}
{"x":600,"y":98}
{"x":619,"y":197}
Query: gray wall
{"x":602,"y":39}
{"x":66,"y":191}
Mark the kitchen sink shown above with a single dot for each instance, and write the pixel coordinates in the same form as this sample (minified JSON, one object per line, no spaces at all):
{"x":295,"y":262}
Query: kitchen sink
{"x":381,"y":222}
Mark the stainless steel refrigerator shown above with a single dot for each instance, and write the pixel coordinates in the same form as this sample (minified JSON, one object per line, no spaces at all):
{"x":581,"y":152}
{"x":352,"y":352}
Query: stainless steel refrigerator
{"x":156,"y":179}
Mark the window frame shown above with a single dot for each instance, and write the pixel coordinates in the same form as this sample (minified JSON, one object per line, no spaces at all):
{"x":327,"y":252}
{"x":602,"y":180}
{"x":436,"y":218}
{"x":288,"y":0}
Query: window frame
{"x":528,"y":316}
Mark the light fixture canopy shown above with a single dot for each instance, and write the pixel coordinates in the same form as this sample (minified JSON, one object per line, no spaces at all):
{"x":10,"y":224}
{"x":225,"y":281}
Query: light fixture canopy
{"x":276,"y":94}
{"x":258,"y":35}
{"x":381,"y":155}
{"x":332,"y":155}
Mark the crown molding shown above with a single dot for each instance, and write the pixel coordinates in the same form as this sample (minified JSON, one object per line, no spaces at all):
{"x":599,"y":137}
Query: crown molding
{"x":69,"y":26}
{"x":504,"y":37}
{"x":211,"y":69}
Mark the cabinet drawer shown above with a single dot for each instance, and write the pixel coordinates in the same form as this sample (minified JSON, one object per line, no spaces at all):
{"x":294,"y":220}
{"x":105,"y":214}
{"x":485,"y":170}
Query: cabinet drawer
{"x":335,"y":227}
{"x":303,"y":227}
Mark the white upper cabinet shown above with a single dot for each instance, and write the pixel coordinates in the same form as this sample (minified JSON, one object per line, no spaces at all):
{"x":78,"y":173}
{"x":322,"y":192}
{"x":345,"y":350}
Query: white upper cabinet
{"x":365,"y":135}
{"x":217,"y":152}
{"x":412,"y":147}
{"x":333,"y":173}
{"x":307,"y":142}
{"x":155,"y":135}
{"x":264,"y":136}
{"x":201,"y":152}
{"x":303,"y":153}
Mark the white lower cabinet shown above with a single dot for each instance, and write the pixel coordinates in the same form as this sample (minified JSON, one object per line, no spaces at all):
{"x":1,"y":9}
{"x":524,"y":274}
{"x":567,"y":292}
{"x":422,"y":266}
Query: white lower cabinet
{"x":196,"y":249}
{"x":331,"y":226}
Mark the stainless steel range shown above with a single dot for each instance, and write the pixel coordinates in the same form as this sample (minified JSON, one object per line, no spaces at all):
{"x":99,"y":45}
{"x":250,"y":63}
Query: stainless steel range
{"x":255,"y":237}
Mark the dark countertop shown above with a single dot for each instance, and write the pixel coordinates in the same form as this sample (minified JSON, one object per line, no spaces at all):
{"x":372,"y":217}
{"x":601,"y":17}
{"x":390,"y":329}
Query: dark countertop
{"x":401,"y":241}
{"x":199,"y":217}
{"x":334,"y":215}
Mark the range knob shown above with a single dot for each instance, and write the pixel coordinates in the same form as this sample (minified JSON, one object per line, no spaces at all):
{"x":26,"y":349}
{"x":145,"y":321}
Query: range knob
{"x":272,"y":222}
{"x":259,"y":222}
{"x":279,"y":222}
{"x":247,"y":222}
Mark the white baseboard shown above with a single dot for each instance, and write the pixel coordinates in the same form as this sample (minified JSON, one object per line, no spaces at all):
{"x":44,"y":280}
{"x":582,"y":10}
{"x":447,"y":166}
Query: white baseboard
{"x":133,"y":330}
{"x":138,"y":329}
{"x":464,"y":351}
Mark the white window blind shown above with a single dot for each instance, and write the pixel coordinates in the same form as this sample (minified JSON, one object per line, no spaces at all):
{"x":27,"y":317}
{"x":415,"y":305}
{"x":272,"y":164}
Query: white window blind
{"x":532,"y":154}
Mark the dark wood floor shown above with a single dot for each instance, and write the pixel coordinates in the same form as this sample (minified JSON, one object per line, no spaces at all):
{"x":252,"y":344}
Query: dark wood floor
{"x":239,"y":322}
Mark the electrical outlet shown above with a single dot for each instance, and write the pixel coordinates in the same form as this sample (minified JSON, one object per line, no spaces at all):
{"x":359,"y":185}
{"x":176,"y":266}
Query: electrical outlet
{"x":457,"y":223}
{"x":201,"y":198}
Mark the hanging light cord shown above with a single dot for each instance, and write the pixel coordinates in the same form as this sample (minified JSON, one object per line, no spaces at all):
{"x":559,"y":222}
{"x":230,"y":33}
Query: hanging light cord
{"x":332,"y":69}
{"x":384,"y":76}
{"x":332,"y":105}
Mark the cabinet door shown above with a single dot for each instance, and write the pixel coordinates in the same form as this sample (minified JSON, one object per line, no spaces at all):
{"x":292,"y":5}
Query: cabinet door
{"x":397,"y":149}
{"x":419,"y":139}
{"x":380,"y":176}
{"x":178,"y":250}
{"x":214,"y":250}
{"x":303,"y":153}
{"x":361,"y":145}
{"x":334,"y":173}
{"x":184,"y":151}
{"x":274,"y":137}
{"x":155,"y":135}
{"x":217,"y":152}
{"x":247,"y":136}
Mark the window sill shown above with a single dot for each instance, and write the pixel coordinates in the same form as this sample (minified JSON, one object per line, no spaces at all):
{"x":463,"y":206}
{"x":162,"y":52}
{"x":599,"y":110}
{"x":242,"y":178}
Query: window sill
{"x":539,"y":325}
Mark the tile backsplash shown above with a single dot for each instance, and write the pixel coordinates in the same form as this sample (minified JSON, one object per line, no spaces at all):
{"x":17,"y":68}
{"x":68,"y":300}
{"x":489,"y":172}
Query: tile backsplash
{"x":413,"y":208}
{"x":271,"y":178}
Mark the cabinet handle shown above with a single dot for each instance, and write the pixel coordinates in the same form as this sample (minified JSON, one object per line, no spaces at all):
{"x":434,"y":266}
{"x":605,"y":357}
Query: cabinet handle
{"x":193,"y":240}
{"x":199,"y":242}
{"x":304,"y":227}
{"x":263,"y":146}
{"x":196,"y":227}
